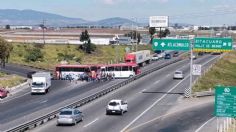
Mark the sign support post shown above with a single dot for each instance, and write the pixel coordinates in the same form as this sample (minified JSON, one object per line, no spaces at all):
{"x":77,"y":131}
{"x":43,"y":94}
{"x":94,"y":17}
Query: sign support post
{"x":188,"y":90}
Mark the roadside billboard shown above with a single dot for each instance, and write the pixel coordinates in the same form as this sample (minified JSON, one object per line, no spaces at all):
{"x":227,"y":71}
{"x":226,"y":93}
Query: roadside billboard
{"x":159,"y":21}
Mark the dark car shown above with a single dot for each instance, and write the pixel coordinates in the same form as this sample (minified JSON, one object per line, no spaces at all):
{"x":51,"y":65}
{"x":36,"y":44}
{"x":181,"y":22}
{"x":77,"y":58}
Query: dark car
{"x":175,"y":54}
{"x":200,"y":53}
{"x":167,"y":56}
{"x":29,"y":74}
{"x":3,"y":93}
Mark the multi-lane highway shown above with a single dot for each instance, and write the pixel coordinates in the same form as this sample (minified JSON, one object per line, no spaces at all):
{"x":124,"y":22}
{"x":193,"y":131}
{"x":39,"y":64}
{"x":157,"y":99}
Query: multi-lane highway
{"x":148,"y":98}
{"x":25,"y":107}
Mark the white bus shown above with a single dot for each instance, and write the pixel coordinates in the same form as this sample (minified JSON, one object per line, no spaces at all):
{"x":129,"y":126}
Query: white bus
{"x":122,"y":70}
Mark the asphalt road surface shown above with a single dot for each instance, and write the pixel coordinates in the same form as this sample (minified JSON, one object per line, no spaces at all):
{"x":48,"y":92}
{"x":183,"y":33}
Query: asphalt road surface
{"x":149,"y":97}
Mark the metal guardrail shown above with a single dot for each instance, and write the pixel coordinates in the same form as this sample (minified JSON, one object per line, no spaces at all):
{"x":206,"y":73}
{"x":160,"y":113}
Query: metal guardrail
{"x":43,"y":119}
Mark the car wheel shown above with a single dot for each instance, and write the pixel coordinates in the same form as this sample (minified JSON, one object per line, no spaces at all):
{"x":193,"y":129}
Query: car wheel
{"x":58,"y":124}
{"x":121,"y":112}
{"x":74,"y":122}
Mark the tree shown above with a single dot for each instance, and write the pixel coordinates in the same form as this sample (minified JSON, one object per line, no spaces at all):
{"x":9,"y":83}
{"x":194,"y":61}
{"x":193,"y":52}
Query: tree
{"x":152,"y":31}
{"x":88,"y":47}
{"x":8,"y":27}
{"x":164,"y":33}
{"x":34,"y":54}
{"x":84,"y":37}
{"x":5,"y":50}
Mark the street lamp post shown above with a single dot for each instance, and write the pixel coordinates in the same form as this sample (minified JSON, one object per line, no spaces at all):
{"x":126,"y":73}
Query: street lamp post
{"x":188,"y":90}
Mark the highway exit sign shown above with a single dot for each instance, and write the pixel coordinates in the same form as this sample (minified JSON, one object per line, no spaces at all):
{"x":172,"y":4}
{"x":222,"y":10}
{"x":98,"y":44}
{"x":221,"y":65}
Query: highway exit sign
{"x":213,"y":44}
{"x":225,"y":101}
{"x":171,"y":44}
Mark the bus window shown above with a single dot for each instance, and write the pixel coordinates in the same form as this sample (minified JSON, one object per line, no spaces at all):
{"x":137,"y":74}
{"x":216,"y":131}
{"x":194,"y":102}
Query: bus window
{"x":78,"y":69}
{"x":117,"y":68}
{"x":110,"y":68}
{"x":125,"y":68}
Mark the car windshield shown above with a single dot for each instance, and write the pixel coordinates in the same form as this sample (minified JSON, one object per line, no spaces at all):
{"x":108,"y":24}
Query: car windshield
{"x":178,"y":72}
{"x":38,"y":84}
{"x":67,"y":112}
{"x":113,"y":103}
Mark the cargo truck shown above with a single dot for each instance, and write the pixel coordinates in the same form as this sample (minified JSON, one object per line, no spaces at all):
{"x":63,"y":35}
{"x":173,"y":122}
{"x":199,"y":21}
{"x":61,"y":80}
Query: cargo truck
{"x":140,"y":57}
{"x":41,"y":82}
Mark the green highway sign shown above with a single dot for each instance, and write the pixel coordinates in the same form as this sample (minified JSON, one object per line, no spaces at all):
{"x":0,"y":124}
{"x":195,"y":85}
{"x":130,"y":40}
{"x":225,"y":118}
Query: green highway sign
{"x":225,"y":101}
{"x":213,"y":44}
{"x":171,"y":44}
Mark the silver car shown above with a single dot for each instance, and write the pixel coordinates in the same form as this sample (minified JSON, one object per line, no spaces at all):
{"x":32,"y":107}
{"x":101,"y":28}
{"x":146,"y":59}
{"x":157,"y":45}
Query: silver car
{"x":69,"y":116}
{"x":178,"y":74}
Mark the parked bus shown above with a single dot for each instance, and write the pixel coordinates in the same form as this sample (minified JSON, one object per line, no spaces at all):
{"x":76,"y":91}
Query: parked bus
{"x":122,"y":70}
{"x":71,"y":72}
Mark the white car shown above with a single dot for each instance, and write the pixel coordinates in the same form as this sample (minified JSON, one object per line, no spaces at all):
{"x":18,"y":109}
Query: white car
{"x":116,"y":106}
{"x":194,"y":57}
{"x":155,"y":57}
{"x":162,"y":55}
{"x":178,"y":75}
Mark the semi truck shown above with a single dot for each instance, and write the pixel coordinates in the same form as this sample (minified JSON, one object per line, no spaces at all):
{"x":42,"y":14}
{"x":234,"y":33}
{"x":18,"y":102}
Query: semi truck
{"x":41,"y":82}
{"x":140,"y":57}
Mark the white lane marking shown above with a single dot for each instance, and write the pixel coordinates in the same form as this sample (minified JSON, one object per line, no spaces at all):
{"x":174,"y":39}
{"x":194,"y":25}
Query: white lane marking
{"x":140,"y":115}
{"x":91,"y":123}
{"x":43,"y":101}
{"x":143,"y":90}
{"x":167,"y":75}
{"x":150,"y":87}
{"x":150,"y":107}
{"x":15,"y":97}
{"x":157,"y":82}
{"x":204,"y":124}
{"x":209,"y":61}
{"x":162,"y":116}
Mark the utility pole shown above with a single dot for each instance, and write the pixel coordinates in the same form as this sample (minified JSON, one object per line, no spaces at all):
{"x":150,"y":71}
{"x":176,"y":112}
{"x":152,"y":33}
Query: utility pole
{"x":136,"y":36}
{"x":132,"y":35}
{"x":43,"y":32}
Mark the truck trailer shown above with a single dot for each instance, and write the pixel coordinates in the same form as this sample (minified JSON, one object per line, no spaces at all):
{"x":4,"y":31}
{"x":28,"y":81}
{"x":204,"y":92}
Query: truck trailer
{"x":41,"y":82}
{"x":140,"y":57}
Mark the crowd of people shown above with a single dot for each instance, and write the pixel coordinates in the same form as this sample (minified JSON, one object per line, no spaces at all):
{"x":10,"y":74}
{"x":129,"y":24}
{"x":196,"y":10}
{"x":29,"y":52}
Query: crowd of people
{"x":93,"y":76}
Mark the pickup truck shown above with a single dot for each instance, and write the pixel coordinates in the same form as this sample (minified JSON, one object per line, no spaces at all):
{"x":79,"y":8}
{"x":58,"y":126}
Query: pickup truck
{"x":116,"y":106}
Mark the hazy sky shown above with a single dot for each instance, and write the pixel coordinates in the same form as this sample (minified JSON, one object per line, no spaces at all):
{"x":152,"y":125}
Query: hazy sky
{"x":204,"y":12}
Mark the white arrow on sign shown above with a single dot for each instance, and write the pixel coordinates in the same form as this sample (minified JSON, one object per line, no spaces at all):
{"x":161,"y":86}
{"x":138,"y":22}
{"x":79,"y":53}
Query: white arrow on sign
{"x":163,"y":44}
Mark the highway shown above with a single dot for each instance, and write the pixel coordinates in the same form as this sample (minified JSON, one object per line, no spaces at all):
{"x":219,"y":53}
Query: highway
{"x":24,"y":106}
{"x":187,"y":120}
{"x":149,"y":97}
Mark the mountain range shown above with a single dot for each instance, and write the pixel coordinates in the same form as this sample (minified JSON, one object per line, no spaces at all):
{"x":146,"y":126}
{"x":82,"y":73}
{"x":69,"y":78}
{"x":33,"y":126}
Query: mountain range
{"x":31,"y":17}
{"x":35,"y":18}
